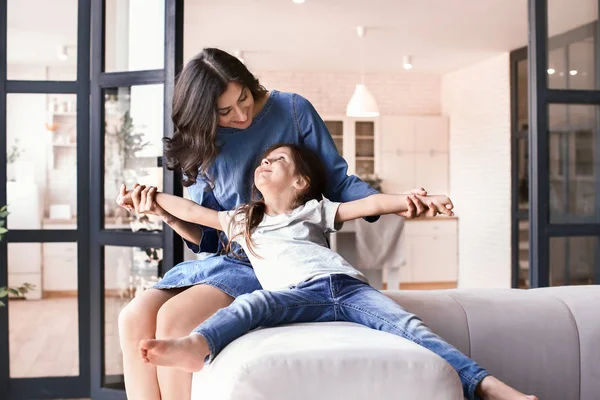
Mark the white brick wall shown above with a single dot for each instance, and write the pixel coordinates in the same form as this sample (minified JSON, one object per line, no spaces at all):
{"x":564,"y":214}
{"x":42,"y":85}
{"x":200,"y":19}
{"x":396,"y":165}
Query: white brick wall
{"x":477,"y":101}
{"x":401,"y":93}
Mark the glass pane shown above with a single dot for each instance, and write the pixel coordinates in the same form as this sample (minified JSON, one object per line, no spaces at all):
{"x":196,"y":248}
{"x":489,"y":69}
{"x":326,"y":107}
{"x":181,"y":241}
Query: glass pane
{"x":41,"y":161}
{"x":134,"y":35}
{"x":42,"y":40}
{"x":365,"y":129}
{"x":133,"y":143}
{"x":571,"y":43}
{"x":572,"y":260}
{"x":127,"y":271}
{"x":557,"y":79}
{"x":574,"y":177}
{"x":52,"y":304}
{"x":582,"y":64}
{"x":523,"y":235}
{"x":365,"y":147}
{"x":336,"y":129}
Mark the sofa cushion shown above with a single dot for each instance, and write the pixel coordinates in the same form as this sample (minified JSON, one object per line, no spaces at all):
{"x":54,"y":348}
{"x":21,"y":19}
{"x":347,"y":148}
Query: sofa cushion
{"x":333,"y":360}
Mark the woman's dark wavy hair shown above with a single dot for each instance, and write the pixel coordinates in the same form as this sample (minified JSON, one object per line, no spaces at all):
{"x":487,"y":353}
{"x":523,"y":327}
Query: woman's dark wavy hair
{"x":193,"y":147}
{"x":308,"y":165}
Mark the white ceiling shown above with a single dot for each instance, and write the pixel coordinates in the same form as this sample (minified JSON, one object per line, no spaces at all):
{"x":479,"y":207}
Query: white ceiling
{"x":440,"y":35}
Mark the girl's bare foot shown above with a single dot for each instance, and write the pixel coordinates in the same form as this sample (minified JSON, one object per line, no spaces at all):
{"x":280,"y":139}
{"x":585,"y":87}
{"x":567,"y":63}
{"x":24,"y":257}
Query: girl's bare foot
{"x":186,"y":353}
{"x":491,"y":388}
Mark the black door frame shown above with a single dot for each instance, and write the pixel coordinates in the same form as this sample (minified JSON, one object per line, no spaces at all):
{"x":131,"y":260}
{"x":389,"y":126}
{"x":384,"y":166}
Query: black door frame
{"x":168,"y":240}
{"x":517,"y":56}
{"x":540,"y":98}
{"x":89,"y":235}
{"x":51,"y":387}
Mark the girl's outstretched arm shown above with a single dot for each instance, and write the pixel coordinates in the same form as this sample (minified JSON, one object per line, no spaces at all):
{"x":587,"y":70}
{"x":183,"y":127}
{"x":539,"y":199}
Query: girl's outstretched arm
{"x":380,"y":204}
{"x":181,"y":208}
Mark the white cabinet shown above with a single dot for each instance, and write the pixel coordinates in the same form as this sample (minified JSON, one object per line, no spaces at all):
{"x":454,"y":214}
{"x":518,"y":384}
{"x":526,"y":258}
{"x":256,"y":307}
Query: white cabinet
{"x":431,"y":250}
{"x":414,"y":153}
{"x":431,"y":171}
{"x":357,"y":140}
{"x":397,"y":172}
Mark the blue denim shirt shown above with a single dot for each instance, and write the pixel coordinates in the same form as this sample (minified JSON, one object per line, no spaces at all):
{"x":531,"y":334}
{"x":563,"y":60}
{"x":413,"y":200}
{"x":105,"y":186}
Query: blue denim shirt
{"x":285,"y":118}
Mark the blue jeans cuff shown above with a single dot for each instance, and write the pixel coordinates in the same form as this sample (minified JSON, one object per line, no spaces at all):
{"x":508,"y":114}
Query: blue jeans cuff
{"x":474,"y":383}
{"x":211,"y":347}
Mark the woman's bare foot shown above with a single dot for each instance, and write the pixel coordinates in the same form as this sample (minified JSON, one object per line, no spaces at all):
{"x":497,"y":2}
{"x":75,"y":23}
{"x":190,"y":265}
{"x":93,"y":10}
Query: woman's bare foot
{"x":186,"y":353}
{"x":491,"y":388}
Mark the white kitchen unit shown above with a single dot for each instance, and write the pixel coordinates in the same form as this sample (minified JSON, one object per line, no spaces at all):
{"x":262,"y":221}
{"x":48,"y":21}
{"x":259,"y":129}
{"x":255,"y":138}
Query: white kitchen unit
{"x":408,"y":152}
{"x":431,"y":251}
{"x":357,"y":140}
{"x":430,"y":246}
{"x":414,"y":153}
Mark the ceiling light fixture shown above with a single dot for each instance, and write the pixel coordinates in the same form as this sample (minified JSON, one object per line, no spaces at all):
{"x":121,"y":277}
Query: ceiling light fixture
{"x":362,"y":103}
{"x":406,"y":63}
{"x":551,"y":71}
{"x":573,"y":72}
{"x":298,"y":1}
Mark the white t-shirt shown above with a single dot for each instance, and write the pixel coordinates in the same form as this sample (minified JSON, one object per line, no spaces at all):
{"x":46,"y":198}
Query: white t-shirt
{"x":292,"y":248}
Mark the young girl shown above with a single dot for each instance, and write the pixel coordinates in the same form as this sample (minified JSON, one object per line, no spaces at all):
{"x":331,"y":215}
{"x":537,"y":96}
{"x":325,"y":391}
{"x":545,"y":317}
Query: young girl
{"x":284,"y":234}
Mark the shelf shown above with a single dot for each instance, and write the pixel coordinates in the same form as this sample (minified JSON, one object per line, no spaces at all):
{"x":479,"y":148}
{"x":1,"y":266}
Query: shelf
{"x":64,"y":144}
{"x":365,"y":158}
{"x":363,"y":137}
{"x":337,"y":136}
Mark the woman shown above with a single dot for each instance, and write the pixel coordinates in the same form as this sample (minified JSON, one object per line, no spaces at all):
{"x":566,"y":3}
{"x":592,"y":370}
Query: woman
{"x":224,"y":119}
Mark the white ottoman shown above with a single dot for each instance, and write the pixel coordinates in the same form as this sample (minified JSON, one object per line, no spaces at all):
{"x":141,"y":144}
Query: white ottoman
{"x":333,"y":360}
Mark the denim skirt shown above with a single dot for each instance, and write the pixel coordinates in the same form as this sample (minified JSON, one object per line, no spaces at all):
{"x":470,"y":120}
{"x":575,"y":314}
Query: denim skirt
{"x":230,"y":275}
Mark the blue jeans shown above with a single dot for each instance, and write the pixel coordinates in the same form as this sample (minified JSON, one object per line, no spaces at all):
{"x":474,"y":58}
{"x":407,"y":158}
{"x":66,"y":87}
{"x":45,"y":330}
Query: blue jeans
{"x":334,"y":298}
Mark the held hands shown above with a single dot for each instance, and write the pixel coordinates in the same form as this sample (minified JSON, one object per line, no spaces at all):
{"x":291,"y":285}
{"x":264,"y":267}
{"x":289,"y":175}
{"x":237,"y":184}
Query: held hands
{"x":140,"y":199}
{"x":419,"y":203}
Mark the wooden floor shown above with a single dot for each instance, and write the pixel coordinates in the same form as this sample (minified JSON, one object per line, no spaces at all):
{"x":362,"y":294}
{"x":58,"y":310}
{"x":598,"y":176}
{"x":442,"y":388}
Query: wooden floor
{"x":43,"y":337}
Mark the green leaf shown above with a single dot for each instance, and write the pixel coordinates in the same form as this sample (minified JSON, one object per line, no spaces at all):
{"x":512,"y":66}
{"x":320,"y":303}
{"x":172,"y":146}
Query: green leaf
{"x":2,"y":304}
{"x":3,"y":231}
{"x":13,"y":291}
{"x":3,"y":292}
{"x":23,"y":290}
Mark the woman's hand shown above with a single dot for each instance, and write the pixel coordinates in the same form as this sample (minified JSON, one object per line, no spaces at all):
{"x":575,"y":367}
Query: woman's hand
{"x":140,"y":199}
{"x":418,"y":204}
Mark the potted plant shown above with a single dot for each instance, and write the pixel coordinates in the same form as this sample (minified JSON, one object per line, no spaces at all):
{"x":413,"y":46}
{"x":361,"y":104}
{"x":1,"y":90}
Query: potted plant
{"x":5,"y":291}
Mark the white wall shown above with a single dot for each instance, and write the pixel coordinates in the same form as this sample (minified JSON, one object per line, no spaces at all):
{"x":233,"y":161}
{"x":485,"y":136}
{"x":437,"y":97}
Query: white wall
{"x":401,"y":93}
{"x":477,"y":101}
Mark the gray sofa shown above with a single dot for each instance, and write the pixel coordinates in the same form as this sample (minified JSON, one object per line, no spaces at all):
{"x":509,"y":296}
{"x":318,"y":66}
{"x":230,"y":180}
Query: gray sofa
{"x":543,"y":341}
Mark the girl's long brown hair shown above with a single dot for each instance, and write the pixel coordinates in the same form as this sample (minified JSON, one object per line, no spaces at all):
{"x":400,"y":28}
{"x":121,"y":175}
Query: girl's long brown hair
{"x":307,"y":165}
{"x":193,"y":147}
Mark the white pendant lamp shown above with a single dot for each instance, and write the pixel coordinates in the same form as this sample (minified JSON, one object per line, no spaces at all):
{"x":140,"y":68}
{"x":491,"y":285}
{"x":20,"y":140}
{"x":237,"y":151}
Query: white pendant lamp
{"x":362,"y":103}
